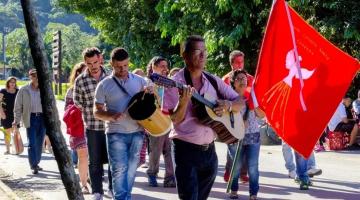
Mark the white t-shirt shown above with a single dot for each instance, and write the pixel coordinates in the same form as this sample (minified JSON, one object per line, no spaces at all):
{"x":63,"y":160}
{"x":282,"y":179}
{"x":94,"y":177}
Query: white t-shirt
{"x":339,"y":114}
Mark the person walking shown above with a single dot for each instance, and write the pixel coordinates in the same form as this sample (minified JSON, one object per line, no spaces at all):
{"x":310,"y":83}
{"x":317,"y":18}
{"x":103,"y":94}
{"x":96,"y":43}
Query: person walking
{"x":28,"y":108}
{"x":162,"y":144}
{"x":83,"y":96}
{"x":7,"y":100}
{"x":76,"y":128}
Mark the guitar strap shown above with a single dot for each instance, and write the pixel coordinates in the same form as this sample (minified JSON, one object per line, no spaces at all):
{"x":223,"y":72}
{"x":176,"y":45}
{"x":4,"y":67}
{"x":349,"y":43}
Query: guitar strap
{"x":213,"y":82}
{"x":210,"y":77}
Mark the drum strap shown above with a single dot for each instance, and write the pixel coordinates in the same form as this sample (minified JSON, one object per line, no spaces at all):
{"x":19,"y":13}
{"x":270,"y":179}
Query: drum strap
{"x":120,"y":86}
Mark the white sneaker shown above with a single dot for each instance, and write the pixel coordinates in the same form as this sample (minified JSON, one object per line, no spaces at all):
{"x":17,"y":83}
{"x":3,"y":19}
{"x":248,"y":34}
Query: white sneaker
{"x":109,"y":194}
{"x":314,"y":172}
{"x":97,"y":196}
{"x":292,"y":174}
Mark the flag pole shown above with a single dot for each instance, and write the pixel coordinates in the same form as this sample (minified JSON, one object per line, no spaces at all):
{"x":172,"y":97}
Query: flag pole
{"x":234,"y":165}
{"x":296,"y":56}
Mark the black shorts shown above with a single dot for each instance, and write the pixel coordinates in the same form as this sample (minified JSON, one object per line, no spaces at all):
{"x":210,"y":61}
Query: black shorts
{"x":345,"y":127}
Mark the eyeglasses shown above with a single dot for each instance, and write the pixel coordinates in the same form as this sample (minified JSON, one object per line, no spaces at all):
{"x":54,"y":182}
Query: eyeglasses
{"x":197,"y":52}
{"x":240,"y":79}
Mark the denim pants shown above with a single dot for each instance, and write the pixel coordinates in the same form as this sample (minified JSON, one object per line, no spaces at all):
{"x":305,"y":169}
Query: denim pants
{"x":289,"y":158}
{"x":35,"y":134}
{"x":195,"y":169}
{"x":160,"y":145}
{"x":251,"y":153}
{"x":124,"y":155}
{"x":96,"y":143}
{"x":301,"y":168}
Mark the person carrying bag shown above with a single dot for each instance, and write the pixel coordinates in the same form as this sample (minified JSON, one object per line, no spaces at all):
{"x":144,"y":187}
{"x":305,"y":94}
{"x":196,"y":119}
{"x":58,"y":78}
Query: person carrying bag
{"x":17,"y":141}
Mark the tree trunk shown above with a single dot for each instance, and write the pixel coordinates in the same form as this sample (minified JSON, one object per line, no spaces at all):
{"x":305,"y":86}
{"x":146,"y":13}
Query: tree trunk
{"x":52,"y":123}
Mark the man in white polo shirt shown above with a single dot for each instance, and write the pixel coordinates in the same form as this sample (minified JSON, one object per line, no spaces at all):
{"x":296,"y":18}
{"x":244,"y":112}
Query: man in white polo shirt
{"x":340,"y":122}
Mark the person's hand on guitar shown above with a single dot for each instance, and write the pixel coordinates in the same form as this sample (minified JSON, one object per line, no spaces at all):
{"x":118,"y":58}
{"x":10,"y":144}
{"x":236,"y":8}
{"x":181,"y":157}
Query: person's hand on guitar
{"x":222,"y":107}
{"x":149,"y":89}
{"x":185,"y":94}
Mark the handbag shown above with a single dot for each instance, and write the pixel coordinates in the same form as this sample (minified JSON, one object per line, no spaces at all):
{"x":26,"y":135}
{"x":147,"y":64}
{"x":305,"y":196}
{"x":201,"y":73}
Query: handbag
{"x":17,"y":142}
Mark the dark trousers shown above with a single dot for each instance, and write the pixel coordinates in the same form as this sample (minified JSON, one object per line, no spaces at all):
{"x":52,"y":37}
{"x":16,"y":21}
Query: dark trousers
{"x":195,"y":171}
{"x":96,"y":143}
{"x":35,"y":135}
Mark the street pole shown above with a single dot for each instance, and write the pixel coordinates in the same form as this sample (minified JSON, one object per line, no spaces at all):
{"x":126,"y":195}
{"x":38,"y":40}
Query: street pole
{"x":4,"y":54}
{"x":5,"y":30}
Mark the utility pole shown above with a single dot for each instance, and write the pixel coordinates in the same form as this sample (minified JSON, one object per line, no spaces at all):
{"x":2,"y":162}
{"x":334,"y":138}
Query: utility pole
{"x":5,"y":30}
{"x":52,"y":122}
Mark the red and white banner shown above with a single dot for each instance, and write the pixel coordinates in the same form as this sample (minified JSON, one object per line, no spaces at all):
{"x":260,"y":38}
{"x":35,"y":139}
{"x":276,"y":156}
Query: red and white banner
{"x":300,"y":79}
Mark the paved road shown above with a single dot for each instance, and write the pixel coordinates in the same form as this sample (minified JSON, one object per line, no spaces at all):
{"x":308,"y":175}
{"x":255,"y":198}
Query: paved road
{"x":340,"y":178}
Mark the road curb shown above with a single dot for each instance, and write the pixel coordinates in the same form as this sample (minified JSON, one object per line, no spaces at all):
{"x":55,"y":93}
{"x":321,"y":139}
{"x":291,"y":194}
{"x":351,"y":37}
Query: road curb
{"x":8,"y":191}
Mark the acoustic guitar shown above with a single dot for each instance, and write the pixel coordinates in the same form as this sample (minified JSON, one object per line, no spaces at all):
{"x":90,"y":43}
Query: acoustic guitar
{"x":229,"y":127}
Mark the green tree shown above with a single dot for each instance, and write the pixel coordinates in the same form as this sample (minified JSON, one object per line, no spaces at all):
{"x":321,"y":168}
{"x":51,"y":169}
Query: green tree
{"x":226,"y":25}
{"x":17,"y":50}
{"x":141,"y":25}
{"x":131,"y":24}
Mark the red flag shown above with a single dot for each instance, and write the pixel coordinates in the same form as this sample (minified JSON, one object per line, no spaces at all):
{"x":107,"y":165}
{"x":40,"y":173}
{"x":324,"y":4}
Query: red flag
{"x":301,"y":78}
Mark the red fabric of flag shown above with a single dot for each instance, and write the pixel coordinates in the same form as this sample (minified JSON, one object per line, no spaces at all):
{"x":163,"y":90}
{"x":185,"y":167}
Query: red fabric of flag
{"x":326,"y":72}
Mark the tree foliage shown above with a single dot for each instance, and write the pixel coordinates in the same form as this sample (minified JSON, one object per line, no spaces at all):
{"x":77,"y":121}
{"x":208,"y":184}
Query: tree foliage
{"x":154,"y":27}
{"x":131,"y":24}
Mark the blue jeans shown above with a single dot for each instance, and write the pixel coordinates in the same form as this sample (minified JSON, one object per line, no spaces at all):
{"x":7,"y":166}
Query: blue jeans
{"x":96,"y":143}
{"x":195,"y":169}
{"x":251,"y":153}
{"x":124,"y":156}
{"x":289,"y":158}
{"x":301,"y":168}
{"x":74,"y":157}
{"x":35,"y":134}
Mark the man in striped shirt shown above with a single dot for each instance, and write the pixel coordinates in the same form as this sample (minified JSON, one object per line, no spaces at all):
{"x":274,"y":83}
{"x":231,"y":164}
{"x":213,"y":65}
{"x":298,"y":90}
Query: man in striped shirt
{"x":84,"y":92}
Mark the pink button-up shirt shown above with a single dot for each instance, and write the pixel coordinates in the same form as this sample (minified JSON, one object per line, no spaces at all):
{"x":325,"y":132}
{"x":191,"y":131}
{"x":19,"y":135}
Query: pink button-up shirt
{"x":190,"y":129}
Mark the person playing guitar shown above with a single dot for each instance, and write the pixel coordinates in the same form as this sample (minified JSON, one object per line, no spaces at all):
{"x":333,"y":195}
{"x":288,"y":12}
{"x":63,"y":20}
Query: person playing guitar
{"x":195,"y":157}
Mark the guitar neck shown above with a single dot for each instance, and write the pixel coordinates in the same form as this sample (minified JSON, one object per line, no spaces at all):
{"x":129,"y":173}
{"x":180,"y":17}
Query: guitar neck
{"x":198,"y":97}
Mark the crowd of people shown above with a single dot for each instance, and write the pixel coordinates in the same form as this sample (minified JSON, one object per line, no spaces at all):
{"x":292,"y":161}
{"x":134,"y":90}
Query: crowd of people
{"x":107,"y":134}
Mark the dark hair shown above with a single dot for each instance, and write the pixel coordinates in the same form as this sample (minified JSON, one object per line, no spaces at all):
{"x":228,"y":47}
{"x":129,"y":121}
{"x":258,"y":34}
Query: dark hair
{"x":234,"y":74}
{"x":188,"y":44}
{"x":154,"y":61}
{"x":90,"y":52}
{"x":119,"y":54}
{"x":234,"y":54}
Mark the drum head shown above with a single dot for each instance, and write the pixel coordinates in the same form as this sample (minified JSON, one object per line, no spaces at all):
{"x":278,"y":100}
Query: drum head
{"x":144,"y":106}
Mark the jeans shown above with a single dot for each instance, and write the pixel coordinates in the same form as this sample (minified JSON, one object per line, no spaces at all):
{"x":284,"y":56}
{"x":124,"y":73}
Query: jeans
{"x":289,"y":158}
{"x":195,"y":169}
{"x":35,"y":134}
{"x":96,"y":143}
{"x":301,"y":168}
{"x":251,"y":152}
{"x":160,"y":145}
{"x":74,"y":157}
{"x":124,"y":155}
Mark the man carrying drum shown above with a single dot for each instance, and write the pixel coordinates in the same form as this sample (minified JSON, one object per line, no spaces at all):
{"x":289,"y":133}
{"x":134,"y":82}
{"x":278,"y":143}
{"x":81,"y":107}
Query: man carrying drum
{"x":124,"y":135}
{"x":195,"y":157}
